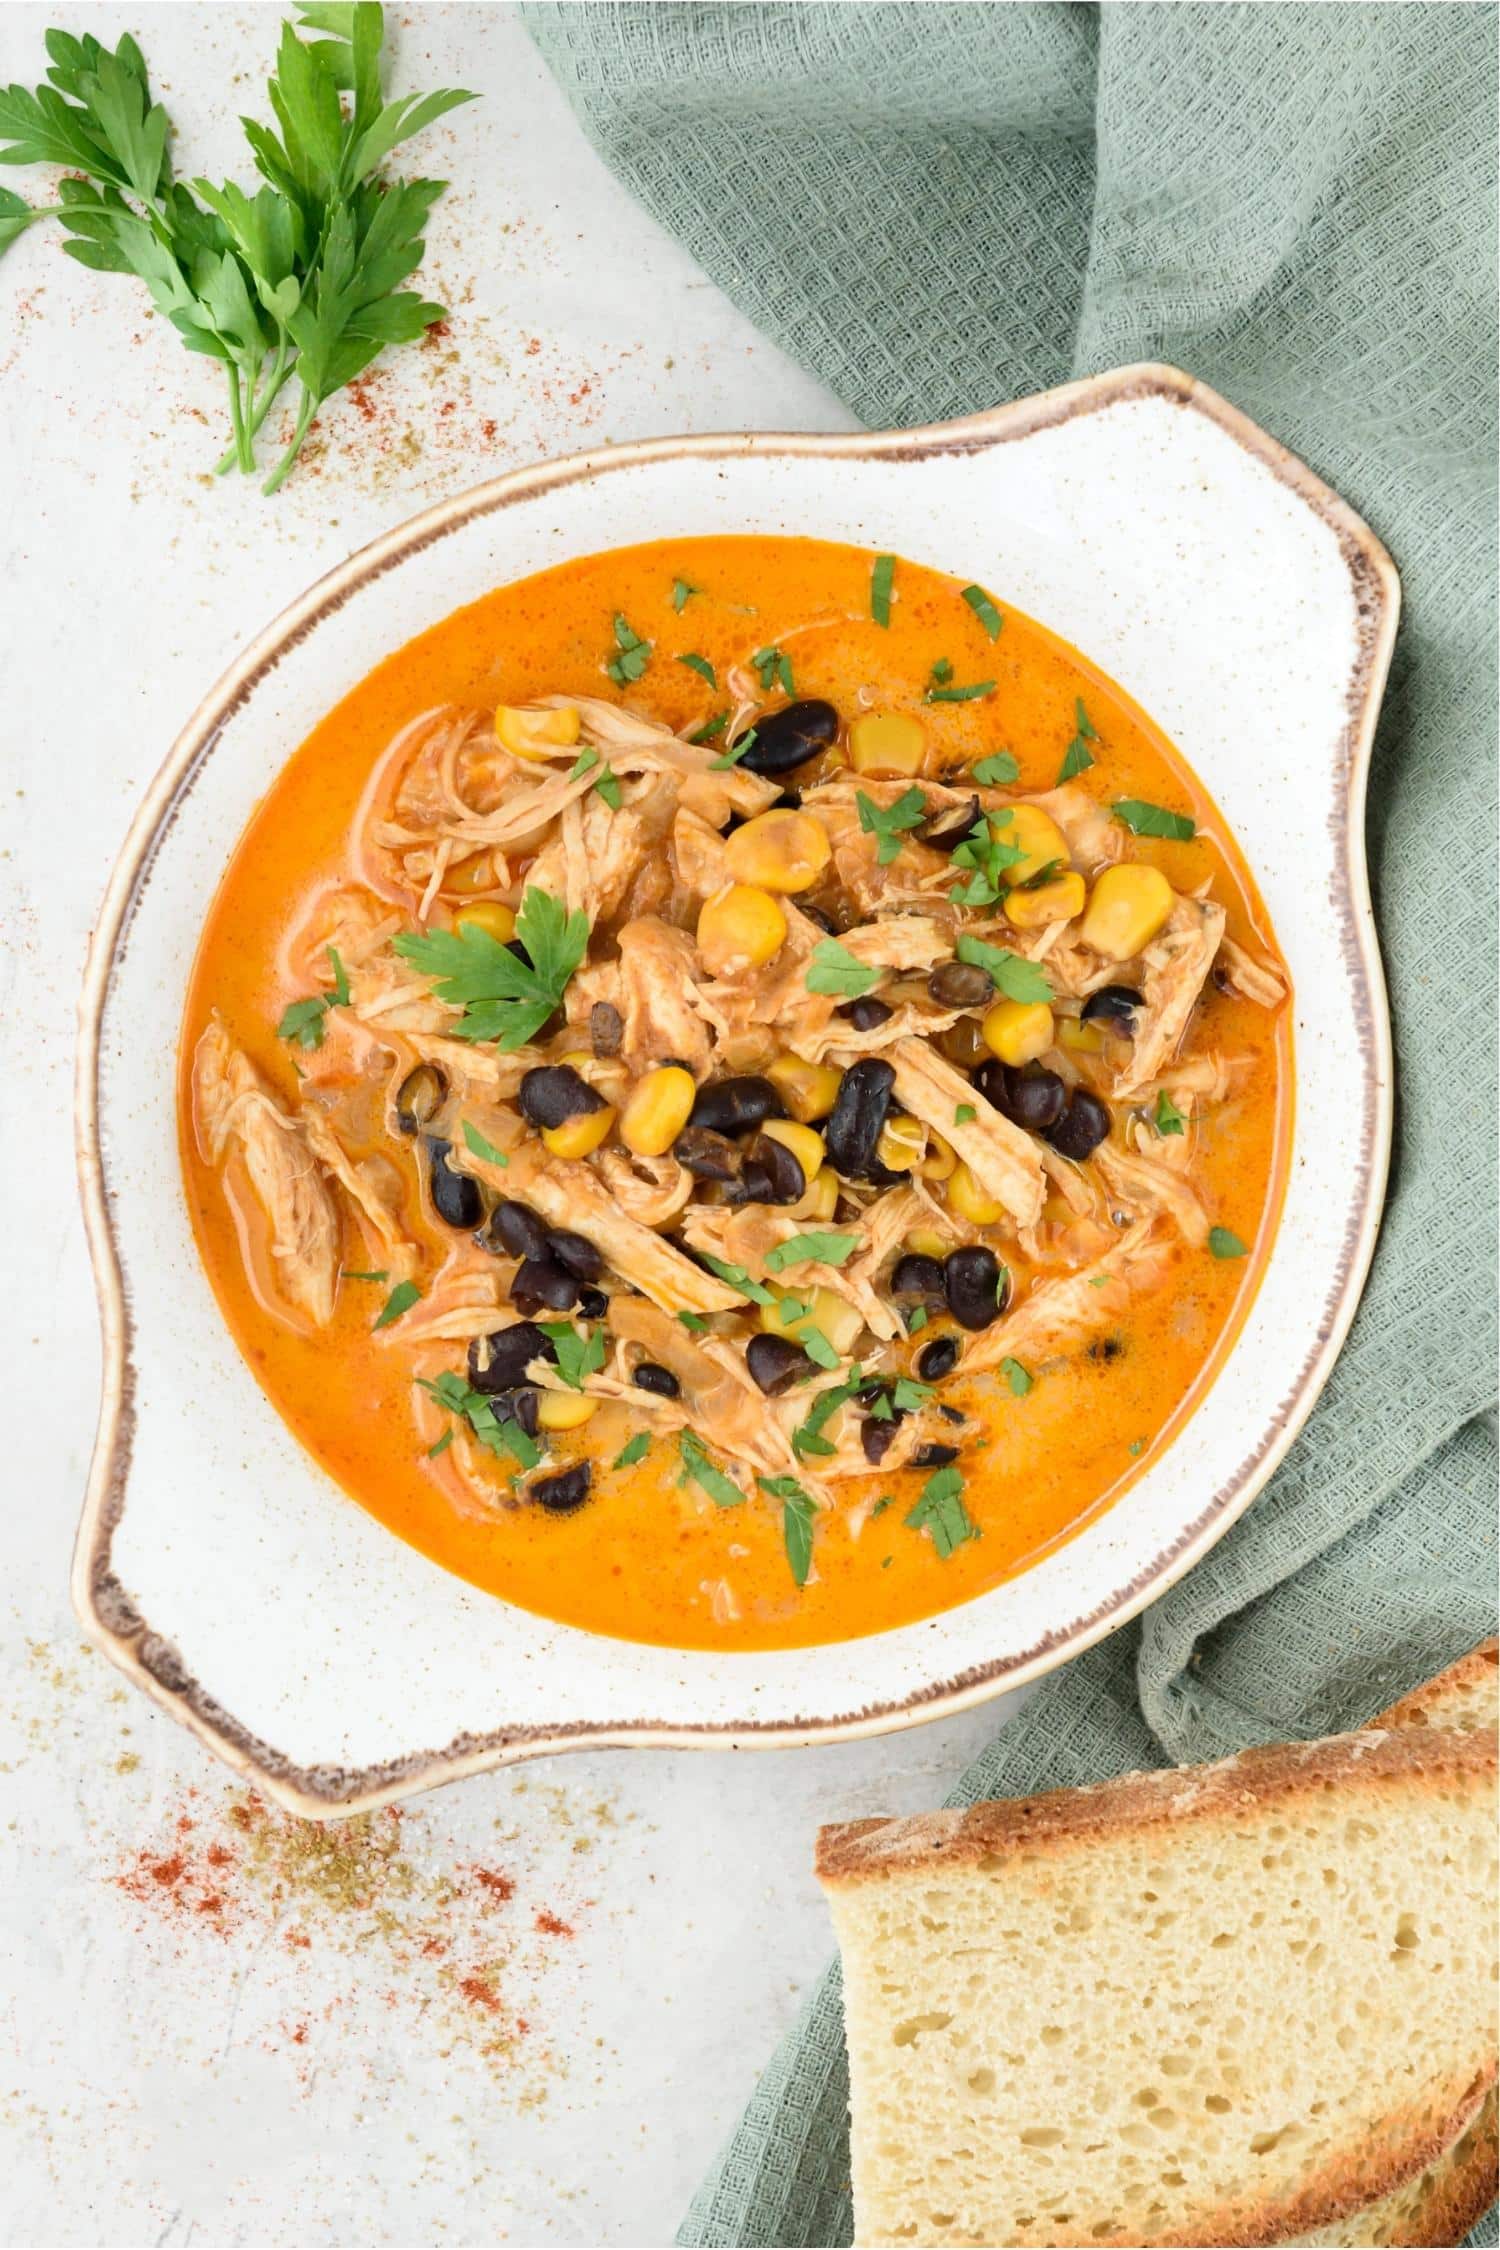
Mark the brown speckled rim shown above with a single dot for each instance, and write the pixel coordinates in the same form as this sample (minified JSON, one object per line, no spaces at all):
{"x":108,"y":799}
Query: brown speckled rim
{"x":102,"y":1603}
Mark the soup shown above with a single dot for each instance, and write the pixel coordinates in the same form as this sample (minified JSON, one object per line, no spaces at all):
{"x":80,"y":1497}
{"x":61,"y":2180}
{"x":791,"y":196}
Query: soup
{"x":734,"y":1092}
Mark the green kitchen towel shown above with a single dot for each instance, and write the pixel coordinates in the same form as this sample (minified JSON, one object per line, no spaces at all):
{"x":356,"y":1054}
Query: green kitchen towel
{"x":937,"y":208}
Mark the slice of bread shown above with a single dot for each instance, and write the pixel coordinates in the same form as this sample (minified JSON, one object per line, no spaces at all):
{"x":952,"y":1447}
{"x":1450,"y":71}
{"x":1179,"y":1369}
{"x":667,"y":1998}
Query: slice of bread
{"x":1242,"y":2004}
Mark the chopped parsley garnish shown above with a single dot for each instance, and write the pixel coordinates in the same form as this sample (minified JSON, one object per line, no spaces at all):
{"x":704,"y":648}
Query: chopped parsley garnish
{"x":400,"y":1300}
{"x":694,"y":1321}
{"x":303,"y":1021}
{"x":1078,"y":757}
{"x":1016,"y":1375}
{"x":916,"y":1318}
{"x":503,"y":997}
{"x":1225,"y":1244}
{"x":585,"y":762}
{"x":942,"y":672}
{"x":808,"y":1436}
{"x":1143,"y":819}
{"x":880,"y":604}
{"x":441,"y":1446}
{"x":886,"y":1500}
{"x":736,"y":1278}
{"x":711,"y":728}
{"x":1137,"y":1445}
{"x":816,"y":1345}
{"x":985,"y":852}
{"x":907,"y":1395}
{"x":580,"y":1351}
{"x":773,"y":665}
{"x":340,"y":980}
{"x":702,"y":667}
{"x":353,"y":1273}
{"x":998,"y":768}
{"x":968,"y":694}
{"x":965,"y":1114}
{"x":798,"y":1508}
{"x":682,"y":594}
{"x":1168,"y":1117}
{"x":941,"y":1511}
{"x":451,"y":1391}
{"x":733,"y":755}
{"x":888,"y":821}
{"x":827,"y":1249}
{"x":608,"y":786}
{"x":704,"y":1471}
{"x":485,"y":1150}
{"x":633,"y":657}
{"x":636,"y":1450}
{"x":832,"y":968}
{"x":985,"y":610}
{"x":1010,"y":973}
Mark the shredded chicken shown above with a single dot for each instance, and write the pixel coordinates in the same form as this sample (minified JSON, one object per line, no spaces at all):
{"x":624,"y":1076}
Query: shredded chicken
{"x":747,"y":1237}
{"x":1002,"y":1158}
{"x":373,"y":1187}
{"x":1145,"y":1185}
{"x":1257,"y":980}
{"x":698,"y":850}
{"x":1175,"y":966}
{"x":233,"y":1110}
{"x":651,"y":1189}
{"x":657,"y":995}
{"x":573,"y":1196}
{"x":1057,"y":1314}
{"x":591,"y":861}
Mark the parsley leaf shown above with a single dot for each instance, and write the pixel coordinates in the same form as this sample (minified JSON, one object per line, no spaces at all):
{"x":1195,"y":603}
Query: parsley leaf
{"x":1016,"y":1375}
{"x":908,"y":1395}
{"x":880,"y":604}
{"x":585,"y":762}
{"x":503,"y":998}
{"x":441,"y":1445}
{"x":303,"y":1021}
{"x":735,"y":1277}
{"x":941,"y":1511}
{"x":633,"y":656}
{"x":702,"y":667}
{"x":985,"y":610}
{"x":772,"y":665}
{"x":698,"y":1464}
{"x":710,"y":728}
{"x":942,"y":672}
{"x":1010,"y":973}
{"x":888,"y":821}
{"x":400,"y":1300}
{"x":1078,"y":757}
{"x":816,"y":1345}
{"x":1143,"y":819}
{"x":808,"y":1436}
{"x":736,"y":751}
{"x":797,"y":1511}
{"x":637,"y":1447}
{"x":340,"y":980}
{"x":608,"y":786}
{"x":832,"y":968}
{"x":496,"y":1436}
{"x":354,"y":1273}
{"x":985,"y":851}
{"x":682,"y":594}
{"x":997,"y":769}
{"x":826,"y":1249}
{"x":1225,"y":1244}
{"x":1168,"y":1117}
{"x":695,"y":1322}
{"x":958,"y":694}
{"x":580,"y":1351}
{"x":484,"y":1149}
{"x":965,"y":1114}
{"x":916,"y":1318}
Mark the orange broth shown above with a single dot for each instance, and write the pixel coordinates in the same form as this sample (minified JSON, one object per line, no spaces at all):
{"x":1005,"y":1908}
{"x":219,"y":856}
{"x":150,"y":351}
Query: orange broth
{"x":644,"y":1558}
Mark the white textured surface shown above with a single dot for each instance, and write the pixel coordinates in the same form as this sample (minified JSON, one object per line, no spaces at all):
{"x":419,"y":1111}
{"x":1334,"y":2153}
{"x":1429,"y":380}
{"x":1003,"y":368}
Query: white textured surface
{"x":174,"y":2076}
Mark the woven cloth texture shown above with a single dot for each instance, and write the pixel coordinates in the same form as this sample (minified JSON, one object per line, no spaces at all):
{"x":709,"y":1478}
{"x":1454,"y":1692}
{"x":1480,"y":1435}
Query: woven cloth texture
{"x":937,"y":208}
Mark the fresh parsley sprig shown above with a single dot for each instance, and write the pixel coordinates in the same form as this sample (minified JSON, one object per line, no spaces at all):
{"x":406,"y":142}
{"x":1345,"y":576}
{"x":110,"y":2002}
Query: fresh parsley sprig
{"x":1010,"y":973}
{"x":300,"y":280}
{"x":888,"y":822}
{"x":503,"y":997}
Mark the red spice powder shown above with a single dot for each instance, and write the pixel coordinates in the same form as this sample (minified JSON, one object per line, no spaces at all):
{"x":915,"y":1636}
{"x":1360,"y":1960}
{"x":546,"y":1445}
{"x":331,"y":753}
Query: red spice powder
{"x":551,"y":1926}
{"x":489,"y":1878}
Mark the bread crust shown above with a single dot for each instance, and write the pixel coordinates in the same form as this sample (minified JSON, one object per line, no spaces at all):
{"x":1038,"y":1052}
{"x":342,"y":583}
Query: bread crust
{"x":1473,"y":1680}
{"x":1435,"y":2211}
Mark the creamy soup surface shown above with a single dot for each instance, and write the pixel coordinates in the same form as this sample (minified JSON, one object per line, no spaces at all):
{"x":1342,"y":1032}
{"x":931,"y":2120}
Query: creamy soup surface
{"x":735,"y":1092}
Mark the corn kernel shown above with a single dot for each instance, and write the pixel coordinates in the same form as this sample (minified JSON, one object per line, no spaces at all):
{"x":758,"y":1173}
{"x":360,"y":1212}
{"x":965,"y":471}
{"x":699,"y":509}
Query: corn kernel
{"x":928,"y":1243}
{"x":564,"y":1410}
{"x":901,"y":1144}
{"x":822,"y":1197}
{"x":968,"y":1200}
{"x":809,"y":1090}
{"x":804,"y":1143}
{"x":889,"y":742}
{"x":476,"y":874}
{"x":1057,"y":901}
{"x":1018,"y":1030}
{"x":939,"y":1161}
{"x":740,"y":928}
{"x":779,"y":851}
{"x":1129,"y":906}
{"x":489,"y":915}
{"x":657,"y":1110}
{"x":581,"y":1135}
{"x":823,"y":1309}
{"x":1037,"y":834}
{"x":1079,"y":1038}
{"x":533,"y":734}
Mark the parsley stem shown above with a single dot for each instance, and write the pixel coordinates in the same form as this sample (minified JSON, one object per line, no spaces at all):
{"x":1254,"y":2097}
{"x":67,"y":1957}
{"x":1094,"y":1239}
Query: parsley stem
{"x":242,"y":450}
{"x":305,"y":413}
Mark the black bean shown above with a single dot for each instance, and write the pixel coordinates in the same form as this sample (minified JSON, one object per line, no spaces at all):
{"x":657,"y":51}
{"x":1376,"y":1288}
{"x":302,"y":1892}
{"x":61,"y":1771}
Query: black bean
{"x":775,"y":1363}
{"x":754,"y":1184}
{"x":592,"y":1304}
{"x":541,"y":1286}
{"x":574,"y":1251}
{"x":960,"y":984}
{"x":708,"y":1156}
{"x":866,"y":1014}
{"x":816,"y":915}
{"x":963,"y":1043}
{"x":498,"y":1362}
{"x":1082,"y":1126}
{"x":934,"y":1456}
{"x":1032,"y":1098}
{"x":518,"y":1406}
{"x":554,"y":1093}
{"x":949,"y":828}
{"x":735,"y":1105}
{"x":876,"y":1438}
{"x":1106,"y":1349}
{"x":790,"y":737}
{"x":937,"y":1359}
{"x":782,"y":1169}
{"x":650,"y":1376}
{"x":517,"y":1228}
{"x":455,"y":1197}
{"x":976,"y":1285}
{"x":917,"y":1276}
{"x":1115,"y":1003}
{"x":568,"y":1490}
{"x":606,"y":1028}
{"x":857,"y":1119}
{"x":419,"y":1097}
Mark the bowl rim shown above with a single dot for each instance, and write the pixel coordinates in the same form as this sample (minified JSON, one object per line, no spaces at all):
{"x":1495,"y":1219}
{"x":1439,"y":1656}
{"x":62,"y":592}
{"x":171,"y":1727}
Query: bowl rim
{"x":106,"y":1614}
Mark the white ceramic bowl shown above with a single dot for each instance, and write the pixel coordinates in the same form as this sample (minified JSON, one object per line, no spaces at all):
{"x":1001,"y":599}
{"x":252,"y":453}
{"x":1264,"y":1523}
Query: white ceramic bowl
{"x":1228,"y":590}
